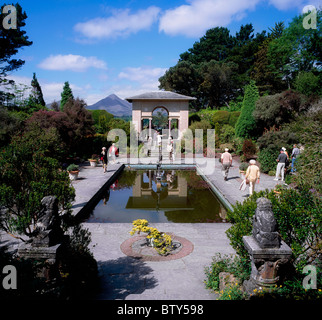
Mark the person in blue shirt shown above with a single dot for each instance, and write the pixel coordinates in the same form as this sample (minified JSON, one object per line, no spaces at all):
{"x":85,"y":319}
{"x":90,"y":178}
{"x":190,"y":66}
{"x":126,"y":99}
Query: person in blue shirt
{"x":295,"y":153}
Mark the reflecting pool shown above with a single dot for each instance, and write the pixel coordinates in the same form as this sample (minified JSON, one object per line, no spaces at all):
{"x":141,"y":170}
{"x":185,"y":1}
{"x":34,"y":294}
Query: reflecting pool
{"x":179,"y":196}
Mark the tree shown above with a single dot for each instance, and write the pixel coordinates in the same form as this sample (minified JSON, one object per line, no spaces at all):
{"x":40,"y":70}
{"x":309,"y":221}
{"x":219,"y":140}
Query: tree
{"x":214,"y":45}
{"x":217,"y":85}
{"x":216,"y":68}
{"x":296,"y":50}
{"x":9,"y":125}
{"x":73,"y":125}
{"x":246,"y":45}
{"x":183,"y":78}
{"x":246,"y":124}
{"x":36,"y":93}
{"x":66,"y":95}
{"x":28,"y":174}
{"x":261,"y":72}
{"x":11,"y":41}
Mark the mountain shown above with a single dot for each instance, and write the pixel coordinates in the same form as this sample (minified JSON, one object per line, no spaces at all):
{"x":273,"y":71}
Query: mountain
{"x":114,"y":105}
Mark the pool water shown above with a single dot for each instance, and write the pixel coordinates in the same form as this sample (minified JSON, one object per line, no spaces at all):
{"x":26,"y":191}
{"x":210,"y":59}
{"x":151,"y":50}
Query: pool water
{"x":179,"y":196}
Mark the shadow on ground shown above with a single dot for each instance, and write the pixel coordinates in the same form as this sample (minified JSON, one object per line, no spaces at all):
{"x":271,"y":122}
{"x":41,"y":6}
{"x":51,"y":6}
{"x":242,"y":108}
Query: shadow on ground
{"x":124,"y":276}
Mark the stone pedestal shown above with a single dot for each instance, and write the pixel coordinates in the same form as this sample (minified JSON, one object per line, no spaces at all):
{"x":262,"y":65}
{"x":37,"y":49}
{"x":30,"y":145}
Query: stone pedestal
{"x":266,"y":264}
{"x":48,"y":257}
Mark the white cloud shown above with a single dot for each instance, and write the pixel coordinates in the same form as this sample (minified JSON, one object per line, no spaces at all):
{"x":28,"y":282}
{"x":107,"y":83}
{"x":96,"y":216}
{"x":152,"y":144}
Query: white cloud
{"x":142,"y":74}
{"x":71,"y":62}
{"x":287,"y":4}
{"x":121,"y":23}
{"x":197,"y":16}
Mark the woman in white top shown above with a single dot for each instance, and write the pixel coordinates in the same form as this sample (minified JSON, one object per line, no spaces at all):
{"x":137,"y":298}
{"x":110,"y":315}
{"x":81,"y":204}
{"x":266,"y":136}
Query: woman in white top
{"x":252,"y":174}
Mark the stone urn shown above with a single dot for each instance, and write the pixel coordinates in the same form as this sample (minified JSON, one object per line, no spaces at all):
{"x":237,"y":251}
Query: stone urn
{"x":93,"y":162}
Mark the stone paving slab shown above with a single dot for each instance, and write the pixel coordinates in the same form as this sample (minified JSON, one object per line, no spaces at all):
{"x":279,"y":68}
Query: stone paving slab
{"x":127,"y":278}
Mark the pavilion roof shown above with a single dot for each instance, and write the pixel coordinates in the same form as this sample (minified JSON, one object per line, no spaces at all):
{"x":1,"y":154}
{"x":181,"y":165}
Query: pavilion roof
{"x":160,"y":95}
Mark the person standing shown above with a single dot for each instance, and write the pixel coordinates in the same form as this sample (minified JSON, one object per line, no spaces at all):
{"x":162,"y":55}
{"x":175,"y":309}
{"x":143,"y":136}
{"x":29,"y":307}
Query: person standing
{"x":226,"y":161}
{"x":282,"y":158}
{"x":159,"y":144}
{"x":104,"y":159}
{"x":295,"y":153}
{"x":170,"y":149}
{"x":112,"y":152}
{"x":252,"y":174}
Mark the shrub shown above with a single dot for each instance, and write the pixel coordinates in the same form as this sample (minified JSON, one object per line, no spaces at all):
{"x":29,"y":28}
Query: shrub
{"x":267,"y":159}
{"x":28,"y":175}
{"x":9,"y":125}
{"x":243,"y":166}
{"x":307,"y":83}
{"x":245,"y":125}
{"x":220,"y":116}
{"x":249,"y":148}
{"x":268,"y":112}
{"x":194,"y":117}
{"x":298,"y":215}
{"x":238,"y":145}
{"x":227,"y":133}
{"x":233,"y":118}
{"x":270,"y":143}
{"x":239,"y":267}
{"x":309,"y":165}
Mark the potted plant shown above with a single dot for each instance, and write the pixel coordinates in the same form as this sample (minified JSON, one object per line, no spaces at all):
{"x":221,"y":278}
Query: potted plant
{"x":73,"y":171}
{"x":242,"y":168}
{"x":160,"y":241}
{"x":93,"y":160}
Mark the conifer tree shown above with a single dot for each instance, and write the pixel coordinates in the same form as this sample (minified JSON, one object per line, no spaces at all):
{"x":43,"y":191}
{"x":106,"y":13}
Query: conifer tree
{"x":36,"y":93}
{"x":246,"y":124}
{"x":66,"y":95}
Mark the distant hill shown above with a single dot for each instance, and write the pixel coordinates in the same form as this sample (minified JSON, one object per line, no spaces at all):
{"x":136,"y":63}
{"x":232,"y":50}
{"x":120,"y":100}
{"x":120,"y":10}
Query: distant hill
{"x":114,"y":105}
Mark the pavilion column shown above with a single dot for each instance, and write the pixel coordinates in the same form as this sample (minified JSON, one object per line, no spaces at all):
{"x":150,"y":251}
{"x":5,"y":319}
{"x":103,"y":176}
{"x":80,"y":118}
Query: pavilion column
{"x":170,"y":127}
{"x":150,"y":128}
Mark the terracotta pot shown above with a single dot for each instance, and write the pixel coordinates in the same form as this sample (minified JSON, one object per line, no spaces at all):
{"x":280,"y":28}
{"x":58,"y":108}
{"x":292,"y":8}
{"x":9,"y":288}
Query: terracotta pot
{"x":73,"y":175}
{"x":93,"y":163}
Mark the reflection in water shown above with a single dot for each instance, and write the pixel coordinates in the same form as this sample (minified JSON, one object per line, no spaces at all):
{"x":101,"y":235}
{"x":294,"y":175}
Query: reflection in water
{"x":159,"y":196}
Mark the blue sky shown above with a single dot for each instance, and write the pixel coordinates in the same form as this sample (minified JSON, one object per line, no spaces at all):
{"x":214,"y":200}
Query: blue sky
{"x":124,"y":46}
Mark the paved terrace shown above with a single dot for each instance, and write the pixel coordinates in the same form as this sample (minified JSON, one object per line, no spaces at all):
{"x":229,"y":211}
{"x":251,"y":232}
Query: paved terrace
{"x":126,"y":278}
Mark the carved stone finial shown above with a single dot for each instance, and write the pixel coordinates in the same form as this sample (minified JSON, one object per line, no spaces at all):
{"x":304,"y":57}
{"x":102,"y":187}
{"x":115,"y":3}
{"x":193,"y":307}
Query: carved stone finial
{"x":264,"y":225}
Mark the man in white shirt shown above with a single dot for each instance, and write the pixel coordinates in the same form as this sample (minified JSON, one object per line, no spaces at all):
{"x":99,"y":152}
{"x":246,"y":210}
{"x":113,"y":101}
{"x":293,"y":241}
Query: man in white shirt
{"x":226,"y":161}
